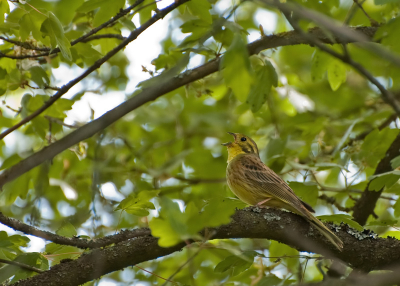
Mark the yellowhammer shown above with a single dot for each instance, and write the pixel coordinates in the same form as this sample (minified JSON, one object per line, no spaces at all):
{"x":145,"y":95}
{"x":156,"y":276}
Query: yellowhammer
{"x":256,"y":184}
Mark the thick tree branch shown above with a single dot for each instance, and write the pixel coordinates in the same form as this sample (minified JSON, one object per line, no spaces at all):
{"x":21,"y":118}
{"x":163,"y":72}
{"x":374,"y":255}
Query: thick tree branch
{"x":64,"y":89}
{"x":152,"y":93}
{"x":365,"y":206}
{"x":73,"y":241}
{"x":361,"y":250}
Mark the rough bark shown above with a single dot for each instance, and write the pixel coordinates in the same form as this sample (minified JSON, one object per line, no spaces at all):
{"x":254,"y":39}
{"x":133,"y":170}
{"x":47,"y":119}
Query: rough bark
{"x":361,"y":250}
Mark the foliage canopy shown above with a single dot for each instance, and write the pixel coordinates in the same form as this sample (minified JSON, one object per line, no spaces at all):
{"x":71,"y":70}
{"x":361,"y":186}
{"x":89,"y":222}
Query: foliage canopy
{"x":320,"y":101}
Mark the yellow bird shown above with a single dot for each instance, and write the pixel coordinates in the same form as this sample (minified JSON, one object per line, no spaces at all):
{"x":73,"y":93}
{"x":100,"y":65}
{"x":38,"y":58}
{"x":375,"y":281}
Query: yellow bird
{"x":256,"y":184}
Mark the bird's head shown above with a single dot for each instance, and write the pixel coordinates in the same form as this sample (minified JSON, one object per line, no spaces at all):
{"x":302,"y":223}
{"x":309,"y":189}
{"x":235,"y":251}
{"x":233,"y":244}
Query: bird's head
{"x":241,"y":144}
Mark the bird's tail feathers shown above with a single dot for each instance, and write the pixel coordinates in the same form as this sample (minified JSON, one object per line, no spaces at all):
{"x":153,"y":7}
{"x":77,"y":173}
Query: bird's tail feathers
{"x":336,"y":241}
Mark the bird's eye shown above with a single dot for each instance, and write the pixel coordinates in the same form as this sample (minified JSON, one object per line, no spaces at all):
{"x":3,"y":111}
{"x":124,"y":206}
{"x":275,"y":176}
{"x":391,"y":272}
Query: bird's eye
{"x":243,"y":139}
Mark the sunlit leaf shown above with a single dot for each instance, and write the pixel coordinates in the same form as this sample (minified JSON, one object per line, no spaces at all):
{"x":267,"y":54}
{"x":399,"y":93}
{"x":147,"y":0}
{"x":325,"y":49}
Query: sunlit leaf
{"x":339,"y":218}
{"x":336,"y":74}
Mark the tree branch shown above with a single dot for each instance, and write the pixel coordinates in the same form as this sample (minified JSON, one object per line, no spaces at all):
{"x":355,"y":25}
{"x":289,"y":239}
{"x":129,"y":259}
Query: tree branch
{"x":361,"y":250}
{"x":64,"y":89}
{"x":73,"y":241}
{"x":152,"y":93}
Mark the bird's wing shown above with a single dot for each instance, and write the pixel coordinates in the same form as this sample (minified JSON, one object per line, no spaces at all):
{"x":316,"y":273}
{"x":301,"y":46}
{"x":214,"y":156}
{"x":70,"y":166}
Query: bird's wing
{"x":263,"y":179}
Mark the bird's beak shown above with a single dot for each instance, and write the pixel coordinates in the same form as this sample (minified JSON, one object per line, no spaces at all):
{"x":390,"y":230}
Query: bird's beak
{"x":229,"y":143}
{"x":233,"y":134}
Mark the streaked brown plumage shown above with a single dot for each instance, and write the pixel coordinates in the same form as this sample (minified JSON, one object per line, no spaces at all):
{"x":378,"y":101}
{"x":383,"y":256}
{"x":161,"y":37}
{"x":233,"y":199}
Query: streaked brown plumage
{"x":256,"y":184}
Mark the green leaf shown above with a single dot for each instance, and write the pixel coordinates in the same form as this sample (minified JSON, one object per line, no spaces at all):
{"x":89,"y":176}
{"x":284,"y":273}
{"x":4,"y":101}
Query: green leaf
{"x":236,"y":264}
{"x":307,"y":191}
{"x":376,"y":144}
{"x":145,"y":13}
{"x":266,"y":77}
{"x":201,"y":9}
{"x":127,"y":23}
{"x":277,"y":249}
{"x":386,"y":34}
{"x":195,"y":26}
{"x":339,"y":218}
{"x":345,"y":136}
{"x":4,"y":9}
{"x":336,"y":74}
{"x":91,"y":5}
{"x":396,"y":208}
{"x":384,"y":2}
{"x":15,"y":189}
{"x":269,"y":280}
{"x":319,"y":64}
{"x":31,"y":23}
{"x":53,"y":28}
{"x":31,"y":259}
{"x":67,"y":230}
{"x":41,"y":181}
{"x":39,"y":76}
{"x":10,"y":161}
{"x":395,"y":162}
{"x":236,"y":68}
{"x":60,"y":252}
{"x":138,"y":204}
{"x":171,"y":226}
{"x":383,"y":180}
{"x":217,"y":212}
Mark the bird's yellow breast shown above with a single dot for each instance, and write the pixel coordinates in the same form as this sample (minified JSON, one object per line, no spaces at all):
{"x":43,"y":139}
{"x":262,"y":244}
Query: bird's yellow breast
{"x":233,"y":151}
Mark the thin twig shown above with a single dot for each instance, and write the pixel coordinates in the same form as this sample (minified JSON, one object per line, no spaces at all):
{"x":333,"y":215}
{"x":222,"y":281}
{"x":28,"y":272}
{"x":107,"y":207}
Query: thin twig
{"x":45,"y":87}
{"x":372,"y":21}
{"x":335,"y":190}
{"x":104,"y":36}
{"x":22,"y":265}
{"x":59,"y":121}
{"x":332,"y":201}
